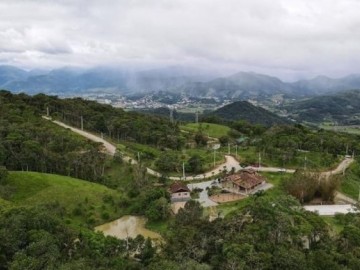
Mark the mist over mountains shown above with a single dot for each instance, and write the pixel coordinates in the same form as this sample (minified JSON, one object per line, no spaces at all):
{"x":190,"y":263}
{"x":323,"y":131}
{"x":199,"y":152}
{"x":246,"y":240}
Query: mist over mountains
{"x":241,"y":85}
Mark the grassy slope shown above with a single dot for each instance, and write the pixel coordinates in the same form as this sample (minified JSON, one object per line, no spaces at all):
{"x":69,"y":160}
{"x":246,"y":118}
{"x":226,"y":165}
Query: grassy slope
{"x":35,"y":189}
{"x":213,"y":130}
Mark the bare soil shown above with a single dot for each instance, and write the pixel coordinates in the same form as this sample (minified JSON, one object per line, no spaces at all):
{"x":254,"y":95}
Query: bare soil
{"x":226,"y":197}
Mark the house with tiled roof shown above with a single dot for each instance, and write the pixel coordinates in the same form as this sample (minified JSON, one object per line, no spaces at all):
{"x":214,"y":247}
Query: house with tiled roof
{"x":179,"y":192}
{"x":243,"y":181}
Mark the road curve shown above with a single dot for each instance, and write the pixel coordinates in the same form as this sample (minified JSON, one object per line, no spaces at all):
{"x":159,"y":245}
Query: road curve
{"x":111,"y":150}
{"x":230,"y":162}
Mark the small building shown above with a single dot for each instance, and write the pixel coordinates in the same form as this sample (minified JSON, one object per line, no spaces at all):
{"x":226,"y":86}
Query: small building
{"x":243,"y":181}
{"x":179,"y":192}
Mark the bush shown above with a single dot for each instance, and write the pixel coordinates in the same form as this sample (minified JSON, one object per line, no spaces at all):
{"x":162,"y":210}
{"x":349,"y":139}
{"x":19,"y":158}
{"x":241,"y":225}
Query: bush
{"x":3,"y":175}
{"x":105,"y":215}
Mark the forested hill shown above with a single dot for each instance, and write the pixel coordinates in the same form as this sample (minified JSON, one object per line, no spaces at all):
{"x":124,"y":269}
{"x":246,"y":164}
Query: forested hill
{"x":28,"y":142}
{"x":343,"y":108}
{"x":113,"y":122}
{"x":243,"y":110}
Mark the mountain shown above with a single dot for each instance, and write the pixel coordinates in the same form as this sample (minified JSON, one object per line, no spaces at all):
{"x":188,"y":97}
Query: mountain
{"x":323,"y":85}
{"x":343,"y":107}
{"x":116,"y":80}
{"x":9,"y":74}
{"x":242,"y":85}
{"x":243,"y":110}
{"x":179,"y":80}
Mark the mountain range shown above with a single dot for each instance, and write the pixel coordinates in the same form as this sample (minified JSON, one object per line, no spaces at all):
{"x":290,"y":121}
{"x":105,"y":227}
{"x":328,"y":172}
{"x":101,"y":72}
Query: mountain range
{"x":240,"y":86}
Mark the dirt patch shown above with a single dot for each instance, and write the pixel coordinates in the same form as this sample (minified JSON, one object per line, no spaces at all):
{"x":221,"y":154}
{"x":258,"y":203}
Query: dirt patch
{"x":226,"y":197}
{"x":175,"y":206}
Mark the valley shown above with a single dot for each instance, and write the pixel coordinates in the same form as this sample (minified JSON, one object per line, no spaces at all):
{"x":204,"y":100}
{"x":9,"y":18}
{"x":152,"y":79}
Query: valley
{"x":128,"y":162}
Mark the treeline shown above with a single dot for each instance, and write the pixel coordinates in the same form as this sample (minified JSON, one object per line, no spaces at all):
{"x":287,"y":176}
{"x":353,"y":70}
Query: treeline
{"x":303,"y":138}
{"x":30,"y":143}
{"x":115,"y":123}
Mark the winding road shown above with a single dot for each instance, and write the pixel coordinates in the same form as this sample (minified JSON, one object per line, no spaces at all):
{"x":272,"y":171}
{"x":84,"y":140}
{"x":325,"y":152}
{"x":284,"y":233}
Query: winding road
{"x":230,"y":162}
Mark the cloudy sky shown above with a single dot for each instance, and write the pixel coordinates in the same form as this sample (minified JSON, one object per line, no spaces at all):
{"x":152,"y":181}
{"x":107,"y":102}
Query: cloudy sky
{"x":287,"y":38}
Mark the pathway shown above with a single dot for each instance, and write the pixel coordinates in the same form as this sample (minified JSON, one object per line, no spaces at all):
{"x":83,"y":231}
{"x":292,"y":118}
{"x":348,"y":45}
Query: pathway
{"x":111,"y":150}
{"x":230,"y":162}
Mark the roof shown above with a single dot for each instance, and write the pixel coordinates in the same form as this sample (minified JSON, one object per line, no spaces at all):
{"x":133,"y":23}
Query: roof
{"x":179,"y":187}
{"x":245,"y":178}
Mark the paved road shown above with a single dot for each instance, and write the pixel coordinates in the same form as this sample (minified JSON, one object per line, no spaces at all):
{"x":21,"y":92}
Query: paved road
{"x":331,"y":210}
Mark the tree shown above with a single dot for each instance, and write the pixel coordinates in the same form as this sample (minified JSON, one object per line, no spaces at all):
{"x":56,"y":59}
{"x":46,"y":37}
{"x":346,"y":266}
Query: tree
{"x":200,"y":139}
{"x":3,"y":175}
{"x":302,"y":185}
{"x":224,"y":140}
{"x":168,"y":162}
{"x":190,"y":214}
{"x":195,"y":164}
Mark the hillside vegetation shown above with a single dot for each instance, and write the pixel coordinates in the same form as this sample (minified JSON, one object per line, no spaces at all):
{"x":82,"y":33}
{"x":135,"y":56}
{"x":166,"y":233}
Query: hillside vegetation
{"x":243,"y":110}
{"x":210,"y":129}
{"x":342,"y":108}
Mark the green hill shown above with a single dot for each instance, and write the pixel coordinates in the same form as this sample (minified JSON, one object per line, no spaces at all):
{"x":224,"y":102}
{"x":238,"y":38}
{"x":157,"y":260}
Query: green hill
{"x":79,"y":201}
{"x":243,"y":110}
{"x":343,"y":108}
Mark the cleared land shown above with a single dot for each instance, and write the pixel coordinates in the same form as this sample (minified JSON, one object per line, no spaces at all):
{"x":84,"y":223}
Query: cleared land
{"x":82,"y":201}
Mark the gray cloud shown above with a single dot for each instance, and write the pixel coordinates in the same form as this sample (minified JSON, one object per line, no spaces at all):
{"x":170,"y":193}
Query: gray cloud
{"x":289,"y":39}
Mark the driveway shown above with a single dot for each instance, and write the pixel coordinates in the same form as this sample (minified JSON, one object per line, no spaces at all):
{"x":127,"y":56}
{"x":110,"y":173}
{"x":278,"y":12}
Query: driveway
{"x":203,"y":196}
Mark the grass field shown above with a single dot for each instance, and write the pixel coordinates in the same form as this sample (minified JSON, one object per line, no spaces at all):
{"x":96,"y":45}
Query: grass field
{"x":83,"y":202}
{"x":212,"y":130}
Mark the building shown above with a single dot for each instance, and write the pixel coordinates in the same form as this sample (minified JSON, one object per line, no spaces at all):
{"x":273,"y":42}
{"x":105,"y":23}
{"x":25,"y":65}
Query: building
{"x":244,"y":181}
{"x":179,"y":192}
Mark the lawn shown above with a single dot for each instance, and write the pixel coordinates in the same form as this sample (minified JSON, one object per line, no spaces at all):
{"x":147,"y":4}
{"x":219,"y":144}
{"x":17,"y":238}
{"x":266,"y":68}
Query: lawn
{"x":212,"y":130}
{"x":83,"y":202}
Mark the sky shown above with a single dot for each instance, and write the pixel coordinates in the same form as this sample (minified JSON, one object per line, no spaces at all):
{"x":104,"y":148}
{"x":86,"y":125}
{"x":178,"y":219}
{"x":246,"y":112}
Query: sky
{"x":290,"y":39}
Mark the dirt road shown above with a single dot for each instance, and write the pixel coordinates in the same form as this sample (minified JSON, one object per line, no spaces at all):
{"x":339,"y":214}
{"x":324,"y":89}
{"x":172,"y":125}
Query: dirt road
{"x":230,"y":162}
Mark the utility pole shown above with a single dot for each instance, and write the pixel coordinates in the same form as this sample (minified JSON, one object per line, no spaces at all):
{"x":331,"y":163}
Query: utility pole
{"x":171,"y":115}
{"x":82,"y":122}
{"x":259,"y":160}
{"x":214,"y":156}
{"x":183,"y":171}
